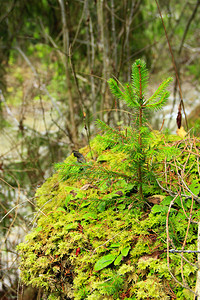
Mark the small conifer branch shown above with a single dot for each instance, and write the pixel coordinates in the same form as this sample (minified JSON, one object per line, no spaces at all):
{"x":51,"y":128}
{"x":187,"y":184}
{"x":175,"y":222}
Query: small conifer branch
{"x":160,"y":91}
{"x":140,"y":81}
{"x":111,"y":130}
{"x":159,"y":104}
{"x":139,"y":77}
{"x":116,"y":91}
{"x":130,"y":97}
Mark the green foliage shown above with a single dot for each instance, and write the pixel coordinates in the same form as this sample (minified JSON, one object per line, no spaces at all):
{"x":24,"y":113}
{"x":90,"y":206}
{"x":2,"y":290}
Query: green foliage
{"x":96,"y":237}
{"x":137,"y":143}
{"x":112,"y":286}
{"x":106,"y":260}
{"x":36,"y":27}
{"x":94,"y":240}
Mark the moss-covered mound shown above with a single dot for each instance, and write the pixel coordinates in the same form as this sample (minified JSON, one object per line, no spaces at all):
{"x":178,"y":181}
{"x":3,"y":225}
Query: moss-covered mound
{"x":96,"y":239}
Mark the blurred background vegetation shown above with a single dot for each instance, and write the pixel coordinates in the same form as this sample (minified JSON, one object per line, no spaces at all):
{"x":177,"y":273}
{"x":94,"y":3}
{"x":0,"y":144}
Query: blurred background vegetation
{"x":55,"y":59}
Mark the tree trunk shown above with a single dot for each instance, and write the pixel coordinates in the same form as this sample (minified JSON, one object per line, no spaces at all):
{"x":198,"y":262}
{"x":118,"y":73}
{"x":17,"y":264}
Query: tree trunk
{"x":103,"y":47}
{"x":65,"y":32}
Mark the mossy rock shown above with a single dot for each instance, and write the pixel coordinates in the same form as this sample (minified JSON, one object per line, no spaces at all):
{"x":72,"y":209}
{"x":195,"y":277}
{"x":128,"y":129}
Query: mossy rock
{"x":95,"y":239}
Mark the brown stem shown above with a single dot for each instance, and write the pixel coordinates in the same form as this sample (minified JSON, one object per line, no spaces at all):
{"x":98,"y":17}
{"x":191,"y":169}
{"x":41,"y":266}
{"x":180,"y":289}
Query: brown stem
{"x":174,"y":64}
{"x":140,"y":138}
{"x":139,"y":167}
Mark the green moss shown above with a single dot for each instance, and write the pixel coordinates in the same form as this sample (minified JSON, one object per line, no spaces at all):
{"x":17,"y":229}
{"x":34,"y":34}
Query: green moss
{"x":85,"y":212}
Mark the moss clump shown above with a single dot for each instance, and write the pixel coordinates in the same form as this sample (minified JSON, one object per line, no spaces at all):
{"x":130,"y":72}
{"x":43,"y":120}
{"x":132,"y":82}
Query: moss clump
{"x":96,"y":239}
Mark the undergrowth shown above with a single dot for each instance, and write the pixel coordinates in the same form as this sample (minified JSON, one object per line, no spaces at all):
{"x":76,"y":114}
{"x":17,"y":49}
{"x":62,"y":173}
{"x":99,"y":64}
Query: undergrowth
{"x":101,"y":228}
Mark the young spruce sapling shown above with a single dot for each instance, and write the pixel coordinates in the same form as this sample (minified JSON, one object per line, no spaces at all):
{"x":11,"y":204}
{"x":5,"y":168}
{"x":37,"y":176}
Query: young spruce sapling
{"x":133,"y":94}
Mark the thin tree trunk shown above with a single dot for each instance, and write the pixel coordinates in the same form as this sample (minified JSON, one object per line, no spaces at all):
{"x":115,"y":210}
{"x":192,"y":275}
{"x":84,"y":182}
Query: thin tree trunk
{"x":114,"y":35}
{"x":104,"y":50}
{"x":94,"y":102}
{"x":188,"y":26}
{"x":126,"y":44}
{"x":67,"y":73}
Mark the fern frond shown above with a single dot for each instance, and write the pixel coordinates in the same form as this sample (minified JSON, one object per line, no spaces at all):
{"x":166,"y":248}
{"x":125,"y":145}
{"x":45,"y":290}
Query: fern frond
{"x":139,"y":77}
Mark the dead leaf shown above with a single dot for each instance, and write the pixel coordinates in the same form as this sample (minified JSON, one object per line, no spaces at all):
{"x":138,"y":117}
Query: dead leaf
{"x":155,"y":199}
{"x":130,"y":206}
{"x":181,"y":132}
